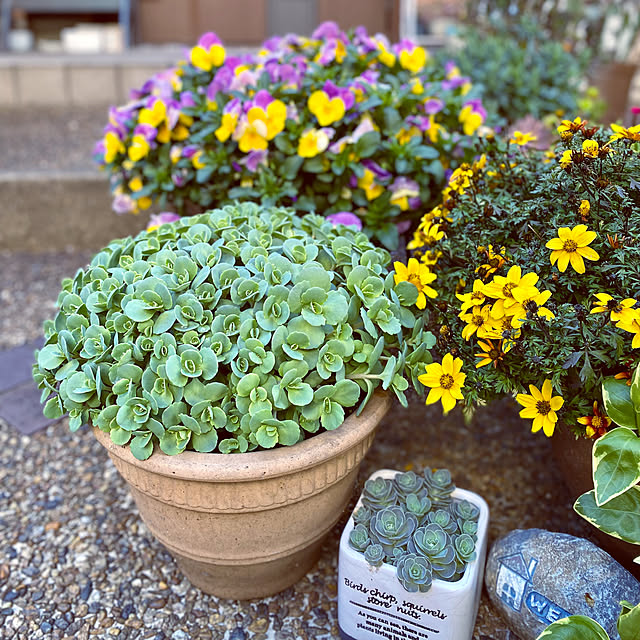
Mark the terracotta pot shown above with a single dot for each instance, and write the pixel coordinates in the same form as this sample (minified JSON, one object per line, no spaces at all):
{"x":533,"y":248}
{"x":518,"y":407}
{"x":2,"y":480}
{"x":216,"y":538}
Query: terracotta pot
{"x":251,"y":524}
{"x":573,"y":458}
{"x":613,"y":80}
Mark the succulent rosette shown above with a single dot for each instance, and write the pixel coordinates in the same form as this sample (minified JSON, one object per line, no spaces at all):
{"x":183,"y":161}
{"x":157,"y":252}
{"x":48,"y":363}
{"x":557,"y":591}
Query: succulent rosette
{"x":414,"y":572}
{"x":374,"y":555}
{"x":436,"y":544}
{"x":440,"y":486}
{"x":409,"y":482}
{"x":335,"y":124}
{"x":379,"y":493}
{"x":359,"y":537}
{"x":392,"y":527}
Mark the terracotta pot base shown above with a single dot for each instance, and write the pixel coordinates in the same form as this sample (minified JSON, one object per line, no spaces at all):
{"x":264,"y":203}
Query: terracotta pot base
{"x":249,"y":525}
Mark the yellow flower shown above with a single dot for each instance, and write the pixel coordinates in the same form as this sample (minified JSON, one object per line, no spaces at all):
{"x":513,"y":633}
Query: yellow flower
{"x":478,"y":321}
{"x":139,"y":148}
{"x":205,"y":59}
{"x":446,"y":381}
{"x":418,"y":275}
{"x":571,"y":246}
{"x":196,"y":160}
{"x":474,"y":298}
{"x":597,"y":424}
{"x":385,"y":56}
{"x":414,"y":61}
{"x":632,"y":325}
{"x":566,"y":158}
{"x":621,"y":133}
{"x":495,"y":260}
{"x":470,"y":120}
{"x":368,"y":184}
{"x":590,"y":148}
{"x":427,"y":234}
{"x":135,"y":184}
{"x":490,"y":353}
{"x":522,"y":139}
{"x":584,"y":208}
{"x":404,"y":135}
{"x":520,"y":310}
{"x":227,"y":126}
{"x":312,"y":142}
{"x":326,"y":110}
{"x":541,"y":405}
{"x":620,"y":309}
{"x":508,"y":290}
{"x":566,"y":129}
{"x":113,"y":146}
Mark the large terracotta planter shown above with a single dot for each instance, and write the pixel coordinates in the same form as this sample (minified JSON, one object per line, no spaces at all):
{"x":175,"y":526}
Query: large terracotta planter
{"x":249,"y":525}
{"x":573,"y":458}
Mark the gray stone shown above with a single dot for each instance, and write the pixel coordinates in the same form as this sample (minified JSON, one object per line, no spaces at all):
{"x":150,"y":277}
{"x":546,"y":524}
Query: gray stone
{"x":535,"y":577}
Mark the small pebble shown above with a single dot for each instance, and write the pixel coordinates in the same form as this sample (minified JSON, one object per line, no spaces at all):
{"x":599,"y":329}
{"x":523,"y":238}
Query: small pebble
{"x":6,"y":612}
{"x":45,"y":627}
{"x":238,"y":634}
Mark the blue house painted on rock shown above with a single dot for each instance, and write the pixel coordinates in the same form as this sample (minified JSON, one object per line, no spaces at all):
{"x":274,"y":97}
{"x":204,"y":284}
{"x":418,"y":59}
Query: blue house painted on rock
{"x":513,"y":579}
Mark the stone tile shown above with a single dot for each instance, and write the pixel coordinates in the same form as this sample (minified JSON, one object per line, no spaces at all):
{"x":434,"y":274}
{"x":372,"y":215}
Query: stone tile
{"x":20,"y":407}
{"x":15,"y":365}
{"x":8,"y":93}
{"x":42,"y":85}
{"x":93,"y":85}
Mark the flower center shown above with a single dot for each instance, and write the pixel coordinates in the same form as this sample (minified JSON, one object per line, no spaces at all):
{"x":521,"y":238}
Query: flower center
{"x":414,"y":278}
{"x":543,"y":407}
{"x":570,"y":246}
{"x":494,"y":354}
{"x":478,"y":320}
{"x":446,"y":381}
{"x":596,"y":422}
{"x":508,"y":288}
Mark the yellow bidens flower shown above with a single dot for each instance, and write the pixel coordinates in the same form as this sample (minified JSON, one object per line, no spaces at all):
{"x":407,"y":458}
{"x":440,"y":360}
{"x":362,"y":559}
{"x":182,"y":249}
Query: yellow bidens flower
{"x":418,"y":275}
{"x":522,"y":139}
{"x":510,"y":290}
{"x":590,"y":148}
{"x":571,"y":246}
{"x":446,"y":381}
{"x":596,"y":425}
{"x":621,"y":133}
{"x":632,"y":325}
{"x":474,"y":298}
{"x":620,"y":309}
{"x":566,"y":159}
{"x":541,"y":406}
{"x":584,"y":208}
{"x":491,"y":353}
{"x":566,"y":129}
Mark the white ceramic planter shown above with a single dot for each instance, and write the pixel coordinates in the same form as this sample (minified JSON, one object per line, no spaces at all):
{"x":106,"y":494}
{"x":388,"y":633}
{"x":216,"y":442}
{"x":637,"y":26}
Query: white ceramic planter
{"x":372,"y":604}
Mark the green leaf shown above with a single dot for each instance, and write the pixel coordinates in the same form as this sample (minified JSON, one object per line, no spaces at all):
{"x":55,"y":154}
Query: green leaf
{"x":634,"y":390}
{"x":205,"y":442}
{"x":142,"y":446}
{"x":426,"y":153}
{"x":120,"y":436}
{"x":53,"y":409}
{"x":617,"y":402}
{"x":574,"y":628}
{"x":629,"y":622}
{"x":172,"y":444}
{"x":300,"y":394}
{"x":367,"y":144}
{"x":407,"y":293}
{"x":288,"y":432}
{"x":291,"y":166}
{"x":616,"y":463}
{"x":346,"y":392}
{"x":620,"y":517}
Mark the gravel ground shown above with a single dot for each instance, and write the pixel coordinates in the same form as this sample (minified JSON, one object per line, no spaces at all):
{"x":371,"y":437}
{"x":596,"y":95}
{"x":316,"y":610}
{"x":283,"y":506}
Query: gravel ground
{"x":77,"y":562}
{"x":51,"y":138}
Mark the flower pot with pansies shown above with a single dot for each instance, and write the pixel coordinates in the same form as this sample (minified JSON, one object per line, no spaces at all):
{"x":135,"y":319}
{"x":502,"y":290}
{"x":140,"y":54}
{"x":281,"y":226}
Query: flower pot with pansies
{"x":412,"y":558}
{"x":339,"y":123}
{"x":235,"y":365}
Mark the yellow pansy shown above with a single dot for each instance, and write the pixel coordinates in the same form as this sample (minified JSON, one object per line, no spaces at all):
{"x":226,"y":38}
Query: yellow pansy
{"x":326,"y":110}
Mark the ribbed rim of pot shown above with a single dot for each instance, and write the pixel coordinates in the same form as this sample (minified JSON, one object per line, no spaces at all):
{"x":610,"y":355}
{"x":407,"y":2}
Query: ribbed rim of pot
{"x":235,"y":467}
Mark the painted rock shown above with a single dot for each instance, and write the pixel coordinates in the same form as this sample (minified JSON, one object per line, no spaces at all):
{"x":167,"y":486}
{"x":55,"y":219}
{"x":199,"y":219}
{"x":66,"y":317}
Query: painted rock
{"x":535,"y":577}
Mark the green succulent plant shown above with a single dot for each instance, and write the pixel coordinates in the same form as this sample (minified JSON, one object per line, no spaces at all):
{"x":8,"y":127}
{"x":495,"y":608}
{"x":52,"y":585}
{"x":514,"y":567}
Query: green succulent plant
{"x":239,"y":329}
{"x":392,"y":527}
{"x":422,"y":540}
{"x":414,"y":572}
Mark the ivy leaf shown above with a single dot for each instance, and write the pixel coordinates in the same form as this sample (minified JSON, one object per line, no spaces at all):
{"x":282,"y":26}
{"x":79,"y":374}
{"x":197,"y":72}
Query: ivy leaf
{"x":574,"y":628}
{"x":616,"y":463}
{"x":617,"y":402}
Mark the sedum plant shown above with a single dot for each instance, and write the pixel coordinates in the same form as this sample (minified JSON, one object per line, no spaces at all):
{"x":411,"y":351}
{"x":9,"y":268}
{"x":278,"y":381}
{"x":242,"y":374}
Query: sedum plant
{"x":422,"y":541}
{"x":239,"y":329}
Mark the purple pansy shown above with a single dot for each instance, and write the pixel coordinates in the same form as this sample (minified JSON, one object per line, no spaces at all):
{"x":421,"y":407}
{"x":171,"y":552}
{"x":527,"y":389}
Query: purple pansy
{"x":254,"y":159}
{"x":148,"y":132}
{"x":123,"y":203}
{"x":220,"y":83}
{"x":345,"y":217}
{"x":344,"y":94}
{"x":164,"y":217}
{"x":327,"y":30}
{"x":433,"y":106}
